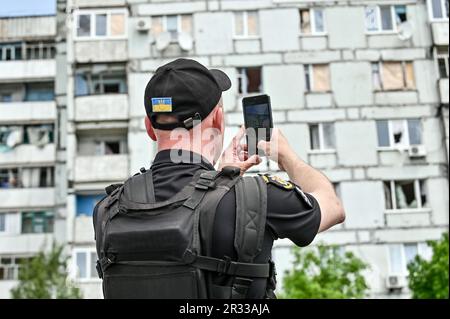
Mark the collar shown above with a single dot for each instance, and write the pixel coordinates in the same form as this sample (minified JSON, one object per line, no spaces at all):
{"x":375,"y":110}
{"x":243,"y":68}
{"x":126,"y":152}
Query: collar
{"x":181,"y":156}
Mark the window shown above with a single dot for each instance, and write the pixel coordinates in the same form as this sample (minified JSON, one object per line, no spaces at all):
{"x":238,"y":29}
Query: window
{"x":246,"y":24}
{"x":27,"y":177}
{"x":317,"y":78}
{"x":399,"y":133}
{"x":39,"y":135}
{"x":322,"y":136}
{"x":39,"y":50}
{"x":39,"y":91}
{"x":442,"y":61}
{"x":86,"y":204}
{"x":312,"y":21}
{"x":438,"y":9}
{"x":6,"y":97}
{"x":37,"y":222}
{"x":9,"y":178}
{"x":10,"y":267}
{"x":101,"y":79}
{"x":84,"y":260}
{"x":102,"y":144}
{"x":400,"y":255}
{"x":100,"y":24}
{"x":384,"y":18}
{"x":174,"y":24}
{"x":249,"y":80}
{"x":10,"y":51}
{"x":2,"y":223}
{"x":405,"y":195}
{"x":392,"y":76}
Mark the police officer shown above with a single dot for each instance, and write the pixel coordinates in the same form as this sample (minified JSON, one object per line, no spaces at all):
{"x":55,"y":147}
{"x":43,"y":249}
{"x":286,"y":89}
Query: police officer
{"x":184,"y":92}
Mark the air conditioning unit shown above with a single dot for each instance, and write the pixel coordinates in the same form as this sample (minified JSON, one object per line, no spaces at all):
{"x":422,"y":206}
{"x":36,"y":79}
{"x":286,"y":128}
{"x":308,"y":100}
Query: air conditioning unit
{"x":395,"y":282}
{"x":417,"y":151}
{"x":143,"y":24}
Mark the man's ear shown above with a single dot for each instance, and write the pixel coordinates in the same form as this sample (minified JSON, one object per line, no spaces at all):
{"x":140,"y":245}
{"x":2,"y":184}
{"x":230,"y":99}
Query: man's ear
{"x":150,"y":130}
{"x":218,"y":120}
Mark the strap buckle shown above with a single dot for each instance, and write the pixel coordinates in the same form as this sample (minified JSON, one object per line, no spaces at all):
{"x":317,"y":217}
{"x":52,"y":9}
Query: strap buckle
{"x":224,"y":265}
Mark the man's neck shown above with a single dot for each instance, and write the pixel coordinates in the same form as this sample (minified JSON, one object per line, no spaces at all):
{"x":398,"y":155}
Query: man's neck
{"x":206,"y":155}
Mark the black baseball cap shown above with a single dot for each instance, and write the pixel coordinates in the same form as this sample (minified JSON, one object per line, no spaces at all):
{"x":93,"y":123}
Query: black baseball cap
{"x":184,"y":89}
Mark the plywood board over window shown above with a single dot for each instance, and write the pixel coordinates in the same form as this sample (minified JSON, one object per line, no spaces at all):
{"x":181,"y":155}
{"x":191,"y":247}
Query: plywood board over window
{"x":186,"y":23}
{"x":321,"y":78}
{"x":392,"y":76}
{"x":253,"y":24}
{"x":409,"y":76}
{"x":117,"y":24}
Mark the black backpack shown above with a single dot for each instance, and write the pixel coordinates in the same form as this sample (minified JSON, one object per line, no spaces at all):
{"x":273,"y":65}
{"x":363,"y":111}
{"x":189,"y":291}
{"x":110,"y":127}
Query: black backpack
{"x":150,"y":249}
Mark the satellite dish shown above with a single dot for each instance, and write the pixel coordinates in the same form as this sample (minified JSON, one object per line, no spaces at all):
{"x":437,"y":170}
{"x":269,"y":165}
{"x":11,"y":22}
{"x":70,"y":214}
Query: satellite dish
{"x":163,"y":41}
{"x":185,"y":41}
{"x":405,"y":31}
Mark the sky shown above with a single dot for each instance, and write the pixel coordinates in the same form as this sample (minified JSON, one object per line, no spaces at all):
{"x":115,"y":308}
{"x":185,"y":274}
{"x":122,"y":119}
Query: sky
{"x":16,"y":8}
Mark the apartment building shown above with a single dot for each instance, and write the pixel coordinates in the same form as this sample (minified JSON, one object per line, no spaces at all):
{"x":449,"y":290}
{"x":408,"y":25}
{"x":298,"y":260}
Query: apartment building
{"x":360,"y":89}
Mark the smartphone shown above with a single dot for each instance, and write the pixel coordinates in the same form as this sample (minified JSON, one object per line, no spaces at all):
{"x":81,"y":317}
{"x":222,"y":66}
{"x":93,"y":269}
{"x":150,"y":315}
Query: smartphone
{"x":258,"y":121}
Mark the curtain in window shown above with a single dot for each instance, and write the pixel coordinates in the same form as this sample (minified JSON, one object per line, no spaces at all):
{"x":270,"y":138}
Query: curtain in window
{"x":117,"y":24}
{"x":305,"y":22}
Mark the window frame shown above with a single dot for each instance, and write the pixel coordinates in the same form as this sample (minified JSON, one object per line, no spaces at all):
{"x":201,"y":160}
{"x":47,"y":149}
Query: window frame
{"x":245,"y":34}
{"x":421,"y":251}
{"x":430,"y":11}
{"x":241,"y":73}
{"x":41,"y":212}
{"x":90,"y":277}
{"x":438,"y":56}
{"x":310,"y":74}
{"x":404,"y":77}
{"x":417,"y":194}
{"x":92,"y":13}
{"x":379,"y":20}
{"x":321,"y":149}
{"x":392,"y":146}
{"x":312,"y":20}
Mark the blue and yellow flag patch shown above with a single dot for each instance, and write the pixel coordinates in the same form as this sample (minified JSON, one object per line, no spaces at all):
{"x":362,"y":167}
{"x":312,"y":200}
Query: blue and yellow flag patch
{"x":162,"y":104}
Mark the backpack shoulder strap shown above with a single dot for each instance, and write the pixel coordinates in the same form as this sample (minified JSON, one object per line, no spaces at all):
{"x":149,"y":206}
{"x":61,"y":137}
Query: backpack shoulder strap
{"x":251,"y":211}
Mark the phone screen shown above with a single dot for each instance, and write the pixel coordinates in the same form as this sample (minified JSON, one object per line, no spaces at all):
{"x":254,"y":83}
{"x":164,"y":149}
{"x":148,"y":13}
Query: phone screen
{"x":258,"y":121}
{"x":257,"y":116}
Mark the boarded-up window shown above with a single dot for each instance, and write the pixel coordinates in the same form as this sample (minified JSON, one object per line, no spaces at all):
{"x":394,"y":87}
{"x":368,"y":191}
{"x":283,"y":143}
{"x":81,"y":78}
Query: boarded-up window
{"x":321,"y":78}
{"x":157,"y":26}
{"x":253,"y":23}
{"x":246,"y":23}
{"x":409,"y":76}
{"x":117,"y":24}
{"x":392,"y":76}
{"x":186,"y":23}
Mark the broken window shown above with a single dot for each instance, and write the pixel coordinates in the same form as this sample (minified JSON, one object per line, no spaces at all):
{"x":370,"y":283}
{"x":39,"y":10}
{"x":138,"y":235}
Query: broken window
{"x":10,"y":51}
{"x":246,"y":23}
{"x":100,"y":79}
{"x":322,"y":136}
{"x":438,"y":9}
{"x":90,"y":143}
{"x":84,"y":25}
{"x":317,"y":78}
{"x":174,"y":24}
{"x":384,"y":18}
{"x":39,"y":135}
{"x":39,"y":91}
{"x":399,"y":132}
{"x":405,"y":194}
{"x":9,"y":178}
{"x":442,"y":60}
{"x":96,"y":24}
{"x":394,"y":76}
{"x":312,"y":21}
{"x":10,"y":136}
{"x":249,"y":80}
{"x":37,"y":222}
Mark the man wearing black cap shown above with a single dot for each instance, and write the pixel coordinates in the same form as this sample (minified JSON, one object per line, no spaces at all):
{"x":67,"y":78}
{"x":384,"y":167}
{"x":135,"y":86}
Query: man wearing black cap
{"x":185,"y":116}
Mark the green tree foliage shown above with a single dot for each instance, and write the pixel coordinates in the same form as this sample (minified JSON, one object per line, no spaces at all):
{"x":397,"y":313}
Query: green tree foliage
{"x":324,"y":272}
{"x":429,"y":279}
{"x":45,"y":276}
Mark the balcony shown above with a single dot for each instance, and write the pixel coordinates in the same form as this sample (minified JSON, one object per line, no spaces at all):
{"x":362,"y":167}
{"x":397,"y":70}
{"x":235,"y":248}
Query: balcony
{"x":101,"y":168}
{"x":29,"y":154}
{"x":5,"y":288}
{"x":105,"y":107}
{"x":29,"y":69}
{"x":25,"y":243}
{"x":27,"y":27}
{"x":440,"y":32}
{"x":111,"y":51}
{"x":84,"y":232}
{"x":17,"y":198}
{"x":27,"y":112}
{"x":443,"y":90}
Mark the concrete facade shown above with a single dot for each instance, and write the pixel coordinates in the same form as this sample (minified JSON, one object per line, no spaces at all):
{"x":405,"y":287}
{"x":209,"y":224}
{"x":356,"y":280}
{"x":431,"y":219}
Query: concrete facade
{"x":101,"y":139}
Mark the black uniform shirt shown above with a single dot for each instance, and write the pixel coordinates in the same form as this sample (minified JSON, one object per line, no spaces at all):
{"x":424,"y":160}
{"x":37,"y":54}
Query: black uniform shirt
{"x":289,"y":215}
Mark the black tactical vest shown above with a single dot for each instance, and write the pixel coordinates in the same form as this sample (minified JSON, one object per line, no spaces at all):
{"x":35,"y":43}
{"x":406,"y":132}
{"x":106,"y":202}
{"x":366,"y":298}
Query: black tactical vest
{"x":150,"y":249}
